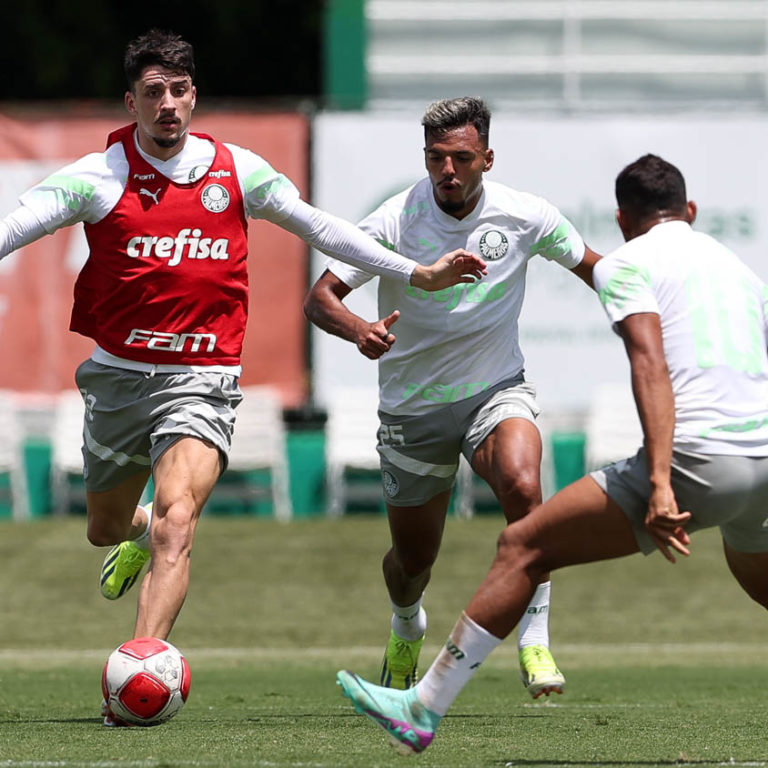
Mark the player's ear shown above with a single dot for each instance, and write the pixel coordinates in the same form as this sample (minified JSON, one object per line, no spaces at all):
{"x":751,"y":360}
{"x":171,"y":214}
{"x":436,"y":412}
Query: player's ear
{"x":691,"y":210}
{"x":194,"y":96}
{"x":130,"y":102}
{"x":625,"y":224}
{"x":488,"y":160}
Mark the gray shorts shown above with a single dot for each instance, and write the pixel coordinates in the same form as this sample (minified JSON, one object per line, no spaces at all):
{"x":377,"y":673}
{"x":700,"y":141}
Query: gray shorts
{"x":730,"y":492}
{"x":131,"y":418}
{"x":419,"y":455}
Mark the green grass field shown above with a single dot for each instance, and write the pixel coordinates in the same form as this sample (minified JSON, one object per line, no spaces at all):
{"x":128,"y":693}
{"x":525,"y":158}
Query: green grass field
{"x":665,"y":664}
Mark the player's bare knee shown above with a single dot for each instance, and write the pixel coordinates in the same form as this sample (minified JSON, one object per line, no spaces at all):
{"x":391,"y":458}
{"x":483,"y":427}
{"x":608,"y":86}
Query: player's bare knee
{"x":172,"y":529}
{"x":515,"y":550}
{"x":416,"y":567}
{"x":508,"y":544}
{"x":520,"y":495}
{"x":415,"y":564}
{"x":411,"y":564}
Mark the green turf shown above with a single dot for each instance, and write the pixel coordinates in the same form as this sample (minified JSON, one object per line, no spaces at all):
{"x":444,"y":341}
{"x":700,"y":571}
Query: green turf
{"x":665,"y":664}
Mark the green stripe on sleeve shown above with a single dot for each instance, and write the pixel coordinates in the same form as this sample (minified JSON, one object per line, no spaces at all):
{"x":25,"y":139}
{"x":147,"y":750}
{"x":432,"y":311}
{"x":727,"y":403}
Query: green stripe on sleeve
{"x":624,"y":284}
{"x":257,"y":178}
{"x":555,"y":244}
{"x":67,"y":183}
{"x":71,"y":191}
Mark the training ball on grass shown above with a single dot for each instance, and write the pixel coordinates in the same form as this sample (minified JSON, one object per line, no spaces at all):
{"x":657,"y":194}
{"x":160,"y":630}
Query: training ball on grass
{"x":145,"y":681}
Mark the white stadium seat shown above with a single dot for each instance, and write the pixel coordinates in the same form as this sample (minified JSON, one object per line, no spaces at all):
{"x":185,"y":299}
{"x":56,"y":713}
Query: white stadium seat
{"x":12,"y":457}
{"x":258,"y":443}
{"x":350,"y":445}
{"x":66,"y":451}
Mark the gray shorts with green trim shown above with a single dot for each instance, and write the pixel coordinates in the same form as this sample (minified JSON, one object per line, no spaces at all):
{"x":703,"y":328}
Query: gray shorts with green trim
{"x":730,"y":492}
{"x":419,"y":455}
{"x":131,"y":418}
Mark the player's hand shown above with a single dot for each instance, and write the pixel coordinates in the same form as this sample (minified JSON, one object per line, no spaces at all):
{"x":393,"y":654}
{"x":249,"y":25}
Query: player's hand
{"x":664,"y":522}
{"x":374,"y":339}
{"x":455,"y":267}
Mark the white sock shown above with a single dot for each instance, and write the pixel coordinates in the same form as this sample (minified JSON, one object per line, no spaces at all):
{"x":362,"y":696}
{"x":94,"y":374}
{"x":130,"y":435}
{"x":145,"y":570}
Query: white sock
{"x":534,"y":626}
{"x":466,"y":648}
{"x":142,"y":540}
{"x":409,"y":621}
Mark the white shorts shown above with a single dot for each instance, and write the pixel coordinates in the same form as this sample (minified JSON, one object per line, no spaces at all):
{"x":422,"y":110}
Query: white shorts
{"x":419,"y":455}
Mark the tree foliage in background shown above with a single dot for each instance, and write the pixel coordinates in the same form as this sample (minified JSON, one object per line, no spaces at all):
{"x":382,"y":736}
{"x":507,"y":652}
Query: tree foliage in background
{"x":250,"y":49}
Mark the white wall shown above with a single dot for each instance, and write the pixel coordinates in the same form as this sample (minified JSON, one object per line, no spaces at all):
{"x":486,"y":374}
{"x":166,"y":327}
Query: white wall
{"x":360,"y":159}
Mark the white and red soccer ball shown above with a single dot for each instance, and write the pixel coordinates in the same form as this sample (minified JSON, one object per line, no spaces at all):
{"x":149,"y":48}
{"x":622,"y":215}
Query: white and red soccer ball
{"x":145,"y":682}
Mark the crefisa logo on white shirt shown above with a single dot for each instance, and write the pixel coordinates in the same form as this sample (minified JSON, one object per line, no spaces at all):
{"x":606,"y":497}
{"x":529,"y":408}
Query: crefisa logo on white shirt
{"x":493,"y":244}
{"x":215,"y":198}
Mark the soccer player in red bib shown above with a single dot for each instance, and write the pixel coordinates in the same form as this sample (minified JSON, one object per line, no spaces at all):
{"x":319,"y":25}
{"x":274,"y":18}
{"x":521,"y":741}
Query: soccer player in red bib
{"x":164,"y":296}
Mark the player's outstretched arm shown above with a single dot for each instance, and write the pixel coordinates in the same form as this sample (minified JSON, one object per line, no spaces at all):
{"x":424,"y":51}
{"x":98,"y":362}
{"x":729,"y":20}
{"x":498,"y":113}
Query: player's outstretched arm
{"x":19,"y":228}
{"x":344,"y":241}
{"x":455,"y":267}
{"x":324,"y":307}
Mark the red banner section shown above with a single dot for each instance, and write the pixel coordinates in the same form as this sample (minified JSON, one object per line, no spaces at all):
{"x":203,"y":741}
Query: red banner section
{"x":40,"y":355}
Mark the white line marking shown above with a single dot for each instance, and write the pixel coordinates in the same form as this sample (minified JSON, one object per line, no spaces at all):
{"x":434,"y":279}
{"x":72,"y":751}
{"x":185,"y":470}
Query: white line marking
{"x":591,"y":654}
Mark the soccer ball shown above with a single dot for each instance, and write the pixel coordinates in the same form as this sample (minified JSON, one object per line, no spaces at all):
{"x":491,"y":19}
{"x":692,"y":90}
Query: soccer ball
{"x":145,"y":682}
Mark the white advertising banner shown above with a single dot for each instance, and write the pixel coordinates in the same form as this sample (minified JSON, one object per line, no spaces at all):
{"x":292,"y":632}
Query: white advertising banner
{"x":361,"y":159}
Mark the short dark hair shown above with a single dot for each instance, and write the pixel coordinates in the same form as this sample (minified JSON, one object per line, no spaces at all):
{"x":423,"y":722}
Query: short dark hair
{"x":158,"y":48}
{"x":650,"y":185}
{"x":448,"y":114}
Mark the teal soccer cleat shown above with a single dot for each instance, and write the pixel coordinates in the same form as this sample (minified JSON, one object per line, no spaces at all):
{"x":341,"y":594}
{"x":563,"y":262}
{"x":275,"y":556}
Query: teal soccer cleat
{"x":408,"y":723}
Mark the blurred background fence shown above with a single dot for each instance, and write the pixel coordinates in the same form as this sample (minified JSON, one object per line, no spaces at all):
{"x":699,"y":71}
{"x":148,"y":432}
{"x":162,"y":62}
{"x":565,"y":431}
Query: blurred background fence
{"x":332,"y":93}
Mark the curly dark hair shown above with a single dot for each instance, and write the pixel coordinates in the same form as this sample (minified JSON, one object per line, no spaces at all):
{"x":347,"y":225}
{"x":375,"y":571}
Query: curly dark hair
{"x":165,"y":49}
